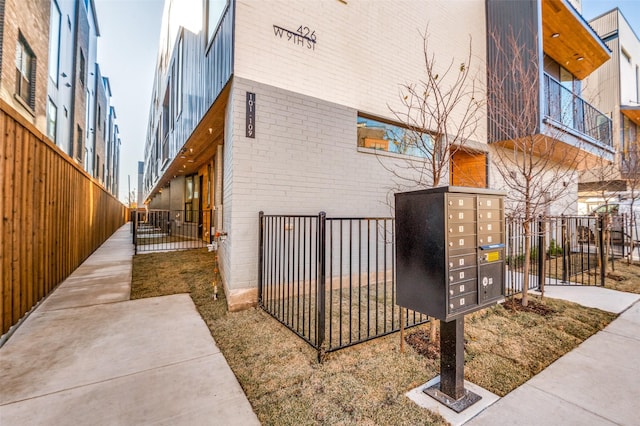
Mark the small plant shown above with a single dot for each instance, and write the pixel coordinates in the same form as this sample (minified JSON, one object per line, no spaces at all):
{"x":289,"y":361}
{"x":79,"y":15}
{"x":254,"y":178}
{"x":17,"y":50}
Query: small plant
{"x":554,"y":248}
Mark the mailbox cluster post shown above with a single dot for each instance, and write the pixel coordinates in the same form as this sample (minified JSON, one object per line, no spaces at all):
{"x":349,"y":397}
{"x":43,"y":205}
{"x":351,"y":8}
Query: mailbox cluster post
{"x":450,"y":245}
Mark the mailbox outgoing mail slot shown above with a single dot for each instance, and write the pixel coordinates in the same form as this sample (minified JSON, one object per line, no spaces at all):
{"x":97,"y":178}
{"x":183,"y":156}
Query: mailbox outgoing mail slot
{"x":450,"y":244}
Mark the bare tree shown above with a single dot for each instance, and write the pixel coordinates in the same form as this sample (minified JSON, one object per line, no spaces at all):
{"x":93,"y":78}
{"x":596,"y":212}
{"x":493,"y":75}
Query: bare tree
{"x":439,"y":114}
{"x":535,"y":166}
{"x":602,"y":181}
{"x":630,"y":168}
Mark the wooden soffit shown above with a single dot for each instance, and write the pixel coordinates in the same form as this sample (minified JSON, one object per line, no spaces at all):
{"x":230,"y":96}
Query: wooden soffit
{"x":569,"y":39}
{"x":201,"y":146}
{"x":631,"y":112}
{"x":556,"y":151}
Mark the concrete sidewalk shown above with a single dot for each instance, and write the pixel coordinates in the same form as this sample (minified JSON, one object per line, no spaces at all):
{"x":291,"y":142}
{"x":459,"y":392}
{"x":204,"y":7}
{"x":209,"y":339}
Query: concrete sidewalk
{"x":597,"y":383}
{"x":90,"y":356}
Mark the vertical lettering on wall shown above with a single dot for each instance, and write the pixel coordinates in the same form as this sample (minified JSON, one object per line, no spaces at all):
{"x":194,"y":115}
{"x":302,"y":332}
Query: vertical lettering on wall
{"x":251,"y":115}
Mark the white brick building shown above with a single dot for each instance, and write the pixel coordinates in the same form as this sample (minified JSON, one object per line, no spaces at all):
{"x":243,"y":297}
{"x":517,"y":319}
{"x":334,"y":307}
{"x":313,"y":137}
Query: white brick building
{"x":317,"y":70}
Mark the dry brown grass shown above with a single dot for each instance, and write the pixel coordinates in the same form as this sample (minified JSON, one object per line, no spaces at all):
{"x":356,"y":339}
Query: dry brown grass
{"x":364,"y":384}
{"x":623,"y":276}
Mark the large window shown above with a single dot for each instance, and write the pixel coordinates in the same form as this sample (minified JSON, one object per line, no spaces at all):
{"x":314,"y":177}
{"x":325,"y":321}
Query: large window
{"x":25,"y":72}
{"x":215,"y":9}
{"x":384,"y":136}
{"x":52,"y":118}
{"x":54,"y":42}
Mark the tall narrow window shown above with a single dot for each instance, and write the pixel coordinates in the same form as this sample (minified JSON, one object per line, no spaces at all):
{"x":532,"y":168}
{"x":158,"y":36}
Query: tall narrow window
{"x":79,"y":143}
{"x":83,"y":67}
{"x":215,"y":9}
{"x":25,"y":72}
{"x":52,"y":117}
{"x":638,"y":83}
{"x":178,"y":80}
{"x":54,"y":42}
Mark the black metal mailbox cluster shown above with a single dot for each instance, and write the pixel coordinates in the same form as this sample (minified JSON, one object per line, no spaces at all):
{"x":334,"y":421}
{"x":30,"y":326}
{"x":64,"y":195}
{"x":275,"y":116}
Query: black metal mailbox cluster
{"x":450,"y":250}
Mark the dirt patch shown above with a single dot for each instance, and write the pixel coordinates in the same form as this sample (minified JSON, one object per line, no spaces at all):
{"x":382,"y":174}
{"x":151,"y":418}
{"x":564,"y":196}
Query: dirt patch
{"x":515,"y":304}
{"x":419,"y":340}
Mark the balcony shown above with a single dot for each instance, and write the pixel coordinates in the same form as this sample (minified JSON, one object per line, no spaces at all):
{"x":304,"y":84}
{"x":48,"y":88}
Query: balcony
{"x":569,"y":112}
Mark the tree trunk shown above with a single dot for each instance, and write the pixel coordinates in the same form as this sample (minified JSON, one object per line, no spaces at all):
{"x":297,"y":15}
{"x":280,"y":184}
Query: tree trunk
{"x":527,"y":261}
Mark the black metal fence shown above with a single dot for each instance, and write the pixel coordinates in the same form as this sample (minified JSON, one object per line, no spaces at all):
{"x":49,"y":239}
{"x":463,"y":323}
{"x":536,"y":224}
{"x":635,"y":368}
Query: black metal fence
{"x":331,"y":280}
{"x":168,"y":230}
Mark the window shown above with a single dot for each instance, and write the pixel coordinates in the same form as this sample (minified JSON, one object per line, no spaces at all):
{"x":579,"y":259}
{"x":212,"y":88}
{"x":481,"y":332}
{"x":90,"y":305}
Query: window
{"x":396,"y":138}
{"x":98,"y":120}
{"x":215,"y":9}
{"x":96,"y":170}
{"x":626,"y":54}
{"x":79,"y":143}
{"x":83,"y":67}
{"x":638,"y":83}
{"x":54,"y":42}
{"x":165,"y":110}
{"x":25,"y":73}
{"x":178,"y":80}
{"x":52,"y":116}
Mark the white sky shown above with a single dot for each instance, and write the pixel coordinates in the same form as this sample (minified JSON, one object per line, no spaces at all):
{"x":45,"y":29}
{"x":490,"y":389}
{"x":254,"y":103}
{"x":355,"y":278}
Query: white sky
{"x":127,"y":50}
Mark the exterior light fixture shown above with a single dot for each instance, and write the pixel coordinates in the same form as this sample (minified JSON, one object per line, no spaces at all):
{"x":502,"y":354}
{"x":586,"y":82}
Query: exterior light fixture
{"x":580,"y":58}
{"x":210,"y":130}
{"x":555,"y":35}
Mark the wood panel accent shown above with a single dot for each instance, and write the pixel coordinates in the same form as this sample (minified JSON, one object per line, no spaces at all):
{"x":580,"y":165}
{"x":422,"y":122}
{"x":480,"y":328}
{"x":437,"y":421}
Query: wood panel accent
{"x":54,"y":215}
{"x":469,"y":169}
{"x":574,"y":40}
{"x":632,"y":112}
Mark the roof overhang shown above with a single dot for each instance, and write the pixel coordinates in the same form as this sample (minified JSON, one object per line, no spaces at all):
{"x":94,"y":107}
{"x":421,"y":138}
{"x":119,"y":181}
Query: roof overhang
{"x":569,"y":39}
{"x":200,"y":147}
{"x":631,"y":112}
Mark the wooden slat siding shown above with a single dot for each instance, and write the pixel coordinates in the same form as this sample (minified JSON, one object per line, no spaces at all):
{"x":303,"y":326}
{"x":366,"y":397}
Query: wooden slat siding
{"x":54,"y":215}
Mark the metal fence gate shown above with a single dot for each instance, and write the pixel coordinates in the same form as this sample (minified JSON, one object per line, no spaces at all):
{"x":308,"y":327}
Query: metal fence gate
{"x":330,"y":280}
{"x":168,"y":230}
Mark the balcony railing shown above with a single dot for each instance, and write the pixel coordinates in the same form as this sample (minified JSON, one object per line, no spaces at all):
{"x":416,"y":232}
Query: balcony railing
{"x":570,"y":110}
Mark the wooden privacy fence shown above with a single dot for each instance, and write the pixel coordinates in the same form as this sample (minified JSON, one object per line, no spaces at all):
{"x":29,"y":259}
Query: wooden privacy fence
{"x":54,"y":215}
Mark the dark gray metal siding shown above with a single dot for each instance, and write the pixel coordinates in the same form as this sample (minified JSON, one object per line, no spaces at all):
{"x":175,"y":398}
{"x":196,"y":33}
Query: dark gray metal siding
{"x":506,"y":96}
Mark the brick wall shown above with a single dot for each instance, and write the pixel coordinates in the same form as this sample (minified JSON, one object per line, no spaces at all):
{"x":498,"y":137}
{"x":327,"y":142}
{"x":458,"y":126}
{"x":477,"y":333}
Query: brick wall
{"x":31,"y":18}
{"x":303,"y":160}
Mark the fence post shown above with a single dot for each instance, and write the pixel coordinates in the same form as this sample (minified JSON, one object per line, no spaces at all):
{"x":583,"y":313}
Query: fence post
{"x":541,"y":255}
{"x":565,"y":259}
{"x":320,"y":288}
{"x":601,"y":253}
{"x":260,"y":254}
{"x":135,"y":232}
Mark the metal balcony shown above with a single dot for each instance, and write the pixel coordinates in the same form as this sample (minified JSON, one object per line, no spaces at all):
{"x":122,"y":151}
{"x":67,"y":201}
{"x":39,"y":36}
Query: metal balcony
{"x":569,"y":111}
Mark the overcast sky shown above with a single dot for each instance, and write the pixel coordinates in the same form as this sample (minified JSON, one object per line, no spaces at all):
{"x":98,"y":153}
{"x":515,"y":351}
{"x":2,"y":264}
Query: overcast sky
{"x":127,"y":48}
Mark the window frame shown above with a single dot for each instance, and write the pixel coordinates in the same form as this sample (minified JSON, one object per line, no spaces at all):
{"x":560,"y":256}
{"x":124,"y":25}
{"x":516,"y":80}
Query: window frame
{"x":420,"y":155}
{"x":24,"y":50}
{"x":52,"y":119}
{"x":211,"y":30}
